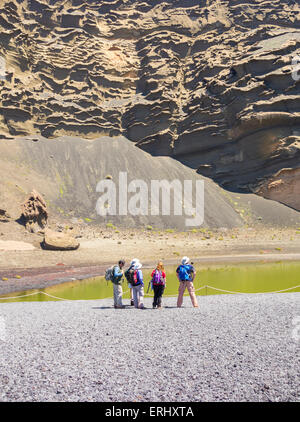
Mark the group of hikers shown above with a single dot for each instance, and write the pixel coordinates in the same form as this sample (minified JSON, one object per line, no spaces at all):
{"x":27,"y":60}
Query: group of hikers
{"x":185,"y":273}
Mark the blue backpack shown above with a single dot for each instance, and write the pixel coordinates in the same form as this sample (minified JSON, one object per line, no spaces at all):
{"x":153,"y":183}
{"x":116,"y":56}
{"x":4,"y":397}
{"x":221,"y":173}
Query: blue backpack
{"x":184,"y":273}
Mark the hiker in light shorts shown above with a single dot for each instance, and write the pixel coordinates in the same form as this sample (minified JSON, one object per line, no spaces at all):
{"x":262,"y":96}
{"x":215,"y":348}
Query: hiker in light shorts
{"x":186,"y":274}
{"x":138,"y":286}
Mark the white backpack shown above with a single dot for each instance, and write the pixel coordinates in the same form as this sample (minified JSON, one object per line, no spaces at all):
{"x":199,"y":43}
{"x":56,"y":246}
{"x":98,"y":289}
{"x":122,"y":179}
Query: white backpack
{"x":109,"y":272}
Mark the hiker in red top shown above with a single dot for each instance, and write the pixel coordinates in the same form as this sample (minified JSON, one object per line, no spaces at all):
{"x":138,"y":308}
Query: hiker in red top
{"x":158,"y":283}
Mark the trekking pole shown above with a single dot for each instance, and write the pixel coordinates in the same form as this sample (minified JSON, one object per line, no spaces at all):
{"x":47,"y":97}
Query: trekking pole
{"x":148,"y":287}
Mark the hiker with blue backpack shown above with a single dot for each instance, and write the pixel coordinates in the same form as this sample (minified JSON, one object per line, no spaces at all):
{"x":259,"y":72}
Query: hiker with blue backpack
{"x":186,"y":274}
{"x":158,"y":284}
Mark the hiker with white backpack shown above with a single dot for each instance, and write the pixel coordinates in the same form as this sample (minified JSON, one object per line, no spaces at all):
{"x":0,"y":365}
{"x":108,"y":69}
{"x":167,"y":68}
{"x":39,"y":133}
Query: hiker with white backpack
{"x":115,"y":274}
{"x":158,"y":284}
{"x":186,"y":274}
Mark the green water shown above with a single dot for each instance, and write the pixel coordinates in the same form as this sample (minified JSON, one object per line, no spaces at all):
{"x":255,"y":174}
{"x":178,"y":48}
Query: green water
{"x":250,"y":278}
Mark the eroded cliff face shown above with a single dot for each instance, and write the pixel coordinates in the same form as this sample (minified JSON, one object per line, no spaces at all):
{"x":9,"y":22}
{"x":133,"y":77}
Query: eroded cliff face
{"x":209,"y":83}
{"x":283,"y":187}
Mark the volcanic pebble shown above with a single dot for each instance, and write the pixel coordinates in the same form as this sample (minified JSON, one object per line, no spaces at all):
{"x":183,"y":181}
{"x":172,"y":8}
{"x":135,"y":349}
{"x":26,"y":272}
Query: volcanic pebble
{"x":232,"y":348}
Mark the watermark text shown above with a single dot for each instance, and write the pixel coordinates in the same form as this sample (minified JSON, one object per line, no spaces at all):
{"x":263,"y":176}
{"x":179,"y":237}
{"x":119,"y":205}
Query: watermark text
{"x":157,"y":197}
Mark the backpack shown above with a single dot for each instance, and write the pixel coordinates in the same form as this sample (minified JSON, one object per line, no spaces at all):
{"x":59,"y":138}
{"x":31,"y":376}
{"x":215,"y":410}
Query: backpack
{"x":134,"y":281}
{"x":129,"y":275}
{"x":157,"y":279}
{"x":109,"y":273}
{"x":183,"y":273}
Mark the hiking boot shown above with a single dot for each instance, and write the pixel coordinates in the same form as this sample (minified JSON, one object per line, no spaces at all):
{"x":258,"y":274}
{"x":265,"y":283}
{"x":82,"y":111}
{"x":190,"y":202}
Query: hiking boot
{"x":120,"y":307}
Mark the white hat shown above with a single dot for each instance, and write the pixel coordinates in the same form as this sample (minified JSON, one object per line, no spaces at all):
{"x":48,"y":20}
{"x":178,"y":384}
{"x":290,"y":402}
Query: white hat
{"x":134,"y":261}
{"x":185,"y":260}
{"x":138,"y":266}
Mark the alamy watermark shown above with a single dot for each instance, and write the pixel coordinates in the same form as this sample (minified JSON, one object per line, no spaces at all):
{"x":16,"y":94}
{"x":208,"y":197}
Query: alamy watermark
{"x":2,"y":329}
{"x":2,"y":69}
{"x":154,"y":198}
{"x":296,"y":68}
{"x":296,"y":329}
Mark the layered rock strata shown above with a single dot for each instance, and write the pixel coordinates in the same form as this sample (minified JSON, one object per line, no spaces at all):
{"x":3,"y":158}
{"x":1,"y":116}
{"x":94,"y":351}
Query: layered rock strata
{"x":210,"y":83}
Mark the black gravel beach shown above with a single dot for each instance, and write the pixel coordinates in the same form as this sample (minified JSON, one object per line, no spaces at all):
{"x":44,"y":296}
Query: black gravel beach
{"x":232,"y":348}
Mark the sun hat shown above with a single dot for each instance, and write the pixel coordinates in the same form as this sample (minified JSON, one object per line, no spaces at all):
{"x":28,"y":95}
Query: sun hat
{"x":134,"y":261}
{"x":138,"y":266}
{"x":185,"y":260}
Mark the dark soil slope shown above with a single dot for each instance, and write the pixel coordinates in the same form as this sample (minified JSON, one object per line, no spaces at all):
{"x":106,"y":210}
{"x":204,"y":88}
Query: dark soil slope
{"x":67,"y":170}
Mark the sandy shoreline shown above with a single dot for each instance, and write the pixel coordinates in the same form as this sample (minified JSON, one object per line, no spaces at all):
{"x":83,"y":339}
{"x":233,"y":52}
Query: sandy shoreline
{"x":28,"y":269}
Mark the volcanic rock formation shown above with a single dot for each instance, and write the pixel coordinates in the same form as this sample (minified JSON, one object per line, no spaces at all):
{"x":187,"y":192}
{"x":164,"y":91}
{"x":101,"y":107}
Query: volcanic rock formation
{"x":34,"y":212}
{"x":56,"y":241}
{"x":210,"y":83}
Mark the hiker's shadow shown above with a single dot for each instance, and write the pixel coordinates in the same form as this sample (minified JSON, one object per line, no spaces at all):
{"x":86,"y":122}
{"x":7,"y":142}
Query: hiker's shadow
{"x":126,"y":308}
{"x":102,"y":307}
{"x":111,"y":307}
{"x":171,"y":307}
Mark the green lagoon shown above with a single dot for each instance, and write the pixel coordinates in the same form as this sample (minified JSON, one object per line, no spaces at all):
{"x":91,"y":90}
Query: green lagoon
{"x":242,"y":278}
